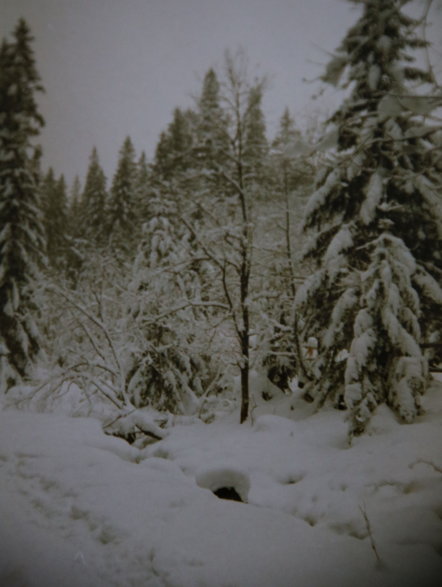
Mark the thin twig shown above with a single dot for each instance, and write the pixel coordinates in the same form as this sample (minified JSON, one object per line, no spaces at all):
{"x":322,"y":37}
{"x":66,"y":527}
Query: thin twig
{"x":363,"y":511}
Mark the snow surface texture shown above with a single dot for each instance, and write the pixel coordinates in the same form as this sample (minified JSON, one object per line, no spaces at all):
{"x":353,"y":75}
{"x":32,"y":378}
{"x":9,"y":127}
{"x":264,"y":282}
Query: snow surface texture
{"x":78,"y":508}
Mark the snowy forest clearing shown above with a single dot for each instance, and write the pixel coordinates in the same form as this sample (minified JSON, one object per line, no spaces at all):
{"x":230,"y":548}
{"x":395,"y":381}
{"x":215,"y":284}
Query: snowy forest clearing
{"x":132,"y":309}
{"x":81,"y":508}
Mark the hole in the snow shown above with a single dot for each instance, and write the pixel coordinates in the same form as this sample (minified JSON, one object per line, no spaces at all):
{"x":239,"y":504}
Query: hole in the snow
{"x":228,"y":493}
{"x":225,"y":483}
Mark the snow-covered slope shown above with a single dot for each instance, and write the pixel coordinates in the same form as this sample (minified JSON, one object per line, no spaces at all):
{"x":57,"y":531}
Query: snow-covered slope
{"x":78,"y":508}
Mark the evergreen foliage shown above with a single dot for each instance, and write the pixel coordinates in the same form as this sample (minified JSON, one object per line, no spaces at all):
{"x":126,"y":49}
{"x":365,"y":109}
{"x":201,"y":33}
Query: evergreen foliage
{"x":74,"y":207}
{"x":255,"y":140}
{"x":167,"y":368}
{"x":143,"y":187}
{"x":174,"y":152}
{"x":122,"y":201}
{"x":92,"y":203}
{"x":377,"y":223}
{"x":290,"y":159}
{"x":55,"y":218}
{"x":21,"y":231}
{"x":212,"y":142}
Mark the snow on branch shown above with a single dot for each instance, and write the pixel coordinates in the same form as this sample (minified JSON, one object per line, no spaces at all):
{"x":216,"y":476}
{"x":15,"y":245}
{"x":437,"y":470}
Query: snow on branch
{"x":373,"y":196}
{"x":318,"y":199}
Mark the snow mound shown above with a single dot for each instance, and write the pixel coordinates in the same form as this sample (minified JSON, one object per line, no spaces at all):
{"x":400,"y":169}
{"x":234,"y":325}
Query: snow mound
{"x":137,"y":426}
{"x":220,"y":478}
{"x":271,"y":423}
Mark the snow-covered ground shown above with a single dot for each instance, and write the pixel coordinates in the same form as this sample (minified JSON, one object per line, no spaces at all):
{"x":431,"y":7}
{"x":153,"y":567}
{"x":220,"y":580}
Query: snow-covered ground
{"x":78,"y":508}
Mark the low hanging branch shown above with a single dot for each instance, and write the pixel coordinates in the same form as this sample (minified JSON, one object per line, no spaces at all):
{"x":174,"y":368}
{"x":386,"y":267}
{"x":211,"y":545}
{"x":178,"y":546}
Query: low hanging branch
{"x":99,"y":324}
{"x":69,"y":374}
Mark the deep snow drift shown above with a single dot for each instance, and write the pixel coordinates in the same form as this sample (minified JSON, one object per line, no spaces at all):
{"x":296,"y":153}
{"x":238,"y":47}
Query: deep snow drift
{"x":78,"y":508}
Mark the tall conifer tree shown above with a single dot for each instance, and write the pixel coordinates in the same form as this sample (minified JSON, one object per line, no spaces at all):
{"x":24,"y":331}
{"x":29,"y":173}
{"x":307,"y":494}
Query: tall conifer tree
{"x":143,"y":188}
{"x":174,"y":154}
{"x":212,"y":140}
{"x":121,"y":206}
{"x":21,"y":232}
{"x":74,"y":207}
{"x":255,"y":140}
{"x":376,"y":219}
{"x":55,"y":217}
{"x":92,"y":205}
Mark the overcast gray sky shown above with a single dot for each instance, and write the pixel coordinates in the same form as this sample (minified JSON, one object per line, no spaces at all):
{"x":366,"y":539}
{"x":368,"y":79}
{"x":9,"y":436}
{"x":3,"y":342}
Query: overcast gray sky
{"x":113,"y":68}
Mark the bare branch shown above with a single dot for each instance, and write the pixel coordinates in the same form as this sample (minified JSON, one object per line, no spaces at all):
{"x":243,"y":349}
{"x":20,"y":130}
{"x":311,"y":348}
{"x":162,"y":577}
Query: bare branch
{"x":363,"y":511}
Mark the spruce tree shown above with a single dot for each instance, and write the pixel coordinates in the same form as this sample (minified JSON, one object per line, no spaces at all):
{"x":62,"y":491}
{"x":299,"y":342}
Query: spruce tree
{"x":165,"y":367}
{"x":174,"y":152}
{"x":74,"y":207}
{"x":255,"y":140}
{"x":143,"y":183}
{"x":92,"y":204}
{"x":55,"y":218}
{"x":21,"y":232}
{"x":376,"y":225}
{"x":290,"y":158}
{"x":121,"y":205}
{"x":74,"y":231}
{"x":212,"y":141}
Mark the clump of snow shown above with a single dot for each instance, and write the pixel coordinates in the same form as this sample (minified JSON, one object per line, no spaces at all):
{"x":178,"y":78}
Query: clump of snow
{"x":374,"y":194}
{"x":389,"y":106}
{"x":429,"y":286}
{"x":384,"y":43}
{"x":321,"y":194}
{"x":262,"y":389}
{"x":345,"y":304}
{"x":342,"y":241}
{"x":374,"y":75}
